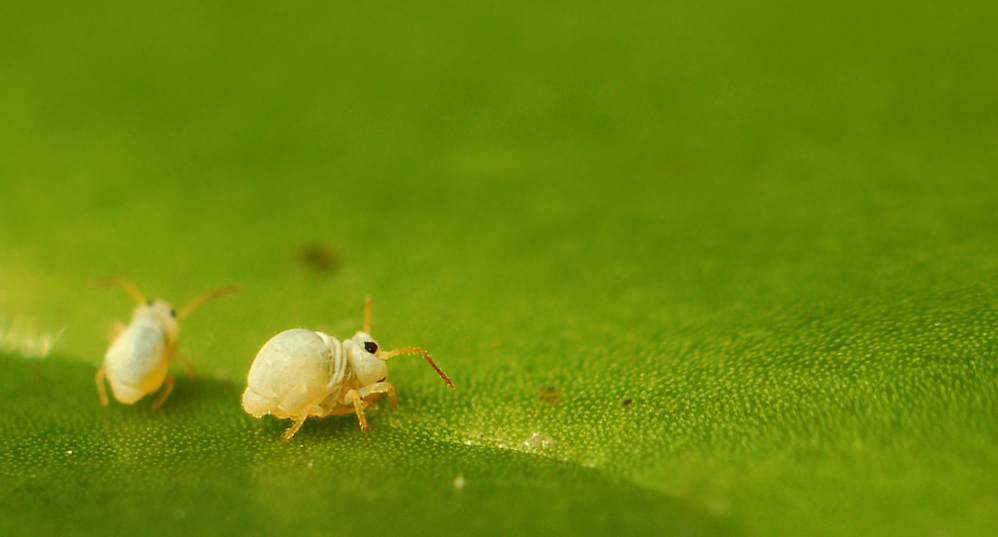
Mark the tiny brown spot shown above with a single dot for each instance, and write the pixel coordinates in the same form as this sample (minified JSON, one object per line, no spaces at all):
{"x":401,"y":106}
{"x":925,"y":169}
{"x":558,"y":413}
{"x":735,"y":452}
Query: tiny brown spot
{"x":317,"y":256}
{"x":626,"y":402}
{"x":548,"y":394}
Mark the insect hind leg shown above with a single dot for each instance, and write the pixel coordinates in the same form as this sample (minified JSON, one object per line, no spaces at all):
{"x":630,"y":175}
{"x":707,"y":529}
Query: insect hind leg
{"x":299,"y":421}
{"x":166,"y":392}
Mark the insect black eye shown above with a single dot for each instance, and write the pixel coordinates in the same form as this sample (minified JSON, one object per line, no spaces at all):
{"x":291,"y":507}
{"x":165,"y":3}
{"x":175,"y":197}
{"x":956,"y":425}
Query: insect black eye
{"x":370,"y":347}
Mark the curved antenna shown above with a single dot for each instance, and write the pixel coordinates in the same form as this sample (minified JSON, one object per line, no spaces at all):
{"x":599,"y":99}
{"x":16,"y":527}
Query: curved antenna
{"x":124,"y":284}
{"x":367,"y":315}
{"x":417,"y":350}
{"x":199,"y":301}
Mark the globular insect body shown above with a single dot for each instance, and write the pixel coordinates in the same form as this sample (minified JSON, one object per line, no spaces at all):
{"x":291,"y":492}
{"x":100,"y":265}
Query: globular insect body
{"x":138,"y":360}
{"x":300,"y":373}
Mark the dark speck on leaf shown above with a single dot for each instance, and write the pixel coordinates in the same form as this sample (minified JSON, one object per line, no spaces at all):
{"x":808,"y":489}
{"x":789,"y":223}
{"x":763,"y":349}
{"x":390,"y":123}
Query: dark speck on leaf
{"x":318,"y":257}
{"x":626,"y":402}
{"x":548,"y":394}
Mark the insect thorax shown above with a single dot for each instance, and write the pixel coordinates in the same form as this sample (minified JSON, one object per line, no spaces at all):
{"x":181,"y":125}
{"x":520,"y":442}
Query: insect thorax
{"x":340,"y":374}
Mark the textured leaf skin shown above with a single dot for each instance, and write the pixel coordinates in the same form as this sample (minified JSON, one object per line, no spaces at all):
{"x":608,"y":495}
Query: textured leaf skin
{"x":695,"y":268}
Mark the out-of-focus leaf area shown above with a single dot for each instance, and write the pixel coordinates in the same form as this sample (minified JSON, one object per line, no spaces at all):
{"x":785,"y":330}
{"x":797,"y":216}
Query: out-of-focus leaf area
{"x":711,"y":269}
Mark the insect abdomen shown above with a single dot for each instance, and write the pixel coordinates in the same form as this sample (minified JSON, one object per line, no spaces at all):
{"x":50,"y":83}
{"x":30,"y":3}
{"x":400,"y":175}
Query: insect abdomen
{"x":137,"y":362}
{"x":290,"y":375}
{"x":257,"y":405}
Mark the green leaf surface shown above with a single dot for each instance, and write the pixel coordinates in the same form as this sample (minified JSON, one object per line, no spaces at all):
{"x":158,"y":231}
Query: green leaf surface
{"x":695,"y":269}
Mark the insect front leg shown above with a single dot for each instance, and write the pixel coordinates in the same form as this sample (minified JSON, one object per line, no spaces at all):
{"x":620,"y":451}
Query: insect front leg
{"x":379,"y":388}
{"x":353,"y":397}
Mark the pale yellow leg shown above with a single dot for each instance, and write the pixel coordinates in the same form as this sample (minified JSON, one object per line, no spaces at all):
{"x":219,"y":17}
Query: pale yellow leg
{"x":357,"y":398}
{"x":187,"y":366}
{"x":391,"y":396}
{"x":101,"y":389}
{"x":299,"y":421}
{"x":166,"y":392}
{"x":358,"y":407}
{"x":378,"y":388}
{"x":370,"y":401}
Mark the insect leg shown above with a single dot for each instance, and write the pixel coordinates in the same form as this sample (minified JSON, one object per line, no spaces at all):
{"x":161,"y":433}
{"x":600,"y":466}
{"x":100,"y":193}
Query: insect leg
{"x":379,"y":388}
{"x":166,"y":392}
{"x":295,"y":426}
{"x":187,"y":366}
{"x":101,"y":389}
{"x":358,"y":407}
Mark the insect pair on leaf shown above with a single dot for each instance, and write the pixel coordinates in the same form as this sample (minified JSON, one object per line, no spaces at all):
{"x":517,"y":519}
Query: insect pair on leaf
{"x":297,"y":374}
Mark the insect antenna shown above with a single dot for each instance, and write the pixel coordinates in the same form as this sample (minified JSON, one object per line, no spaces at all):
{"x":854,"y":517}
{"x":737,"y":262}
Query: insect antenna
{"x":199,"y":301}
{"x":367,"y":315}
{"x":417,"y":350}
{"x":124,"y":284}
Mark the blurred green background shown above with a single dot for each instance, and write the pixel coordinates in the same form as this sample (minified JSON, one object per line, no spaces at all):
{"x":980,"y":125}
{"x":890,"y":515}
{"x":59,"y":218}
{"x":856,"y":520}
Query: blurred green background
{"x":713,"y":268}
